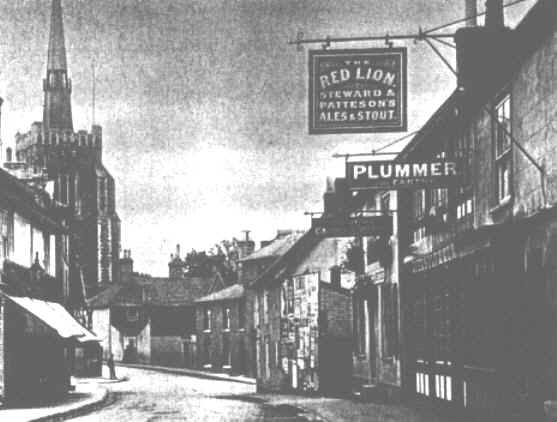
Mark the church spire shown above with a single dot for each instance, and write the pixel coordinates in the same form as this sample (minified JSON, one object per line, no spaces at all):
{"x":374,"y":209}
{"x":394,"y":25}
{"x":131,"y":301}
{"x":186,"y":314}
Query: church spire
{"x":57,"y":86}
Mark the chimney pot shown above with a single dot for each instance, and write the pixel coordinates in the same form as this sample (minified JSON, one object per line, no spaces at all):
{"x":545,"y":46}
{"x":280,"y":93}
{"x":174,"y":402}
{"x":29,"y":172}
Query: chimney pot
{"x":471,"y":12}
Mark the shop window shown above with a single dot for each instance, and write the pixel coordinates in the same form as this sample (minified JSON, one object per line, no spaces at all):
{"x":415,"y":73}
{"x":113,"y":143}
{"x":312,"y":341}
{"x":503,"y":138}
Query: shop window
{"x":207,"y":314}
{"x":422,"y":383}
{"x":503,"y":150}
{"x":226,"y":318}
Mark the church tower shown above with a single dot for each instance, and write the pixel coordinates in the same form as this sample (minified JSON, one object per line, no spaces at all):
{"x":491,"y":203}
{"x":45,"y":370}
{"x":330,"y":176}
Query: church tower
{"x":57,"y":86}
{"x":73,"y":161}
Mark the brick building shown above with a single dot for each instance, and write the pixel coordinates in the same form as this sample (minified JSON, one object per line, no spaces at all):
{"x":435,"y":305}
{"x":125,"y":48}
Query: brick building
{"x":478,"y":281}
{"x":73,"y":160}
{"x":251,"y":267}
{"x":221,"y":326}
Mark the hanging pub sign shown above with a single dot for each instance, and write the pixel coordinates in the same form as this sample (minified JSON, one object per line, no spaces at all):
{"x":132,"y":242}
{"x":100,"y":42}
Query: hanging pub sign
{"x":357,"y":91}
{"x":401,"y":175}
{"x":377,"y":225}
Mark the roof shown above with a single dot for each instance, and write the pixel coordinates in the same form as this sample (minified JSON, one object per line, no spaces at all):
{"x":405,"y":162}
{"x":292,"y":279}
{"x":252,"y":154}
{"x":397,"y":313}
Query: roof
{"x":236,"y":291}
{"x":439,"y":116}
{"x":276,"y":248}
{"x":290,"y":258}
{"x":142,"y":290}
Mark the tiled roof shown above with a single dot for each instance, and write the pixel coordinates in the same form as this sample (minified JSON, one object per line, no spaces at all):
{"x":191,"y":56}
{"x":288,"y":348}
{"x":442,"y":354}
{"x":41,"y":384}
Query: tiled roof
{"x":276,"y":248}
{"x":236,"y":291}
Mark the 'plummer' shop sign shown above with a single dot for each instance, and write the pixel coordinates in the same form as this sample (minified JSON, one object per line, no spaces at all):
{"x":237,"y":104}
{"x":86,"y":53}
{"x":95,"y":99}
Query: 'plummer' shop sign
{"x":400,"y":175}
{"x":357,"y":91}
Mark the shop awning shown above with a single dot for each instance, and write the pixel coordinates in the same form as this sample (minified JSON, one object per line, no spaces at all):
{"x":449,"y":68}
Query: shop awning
{"x":55,"y":316}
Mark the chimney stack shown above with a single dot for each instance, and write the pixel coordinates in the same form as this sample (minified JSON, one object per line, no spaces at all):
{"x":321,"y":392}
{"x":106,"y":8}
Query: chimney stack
{"x":471,"y":11}
{"x":495,"y":17}
{"x":178,"y":250}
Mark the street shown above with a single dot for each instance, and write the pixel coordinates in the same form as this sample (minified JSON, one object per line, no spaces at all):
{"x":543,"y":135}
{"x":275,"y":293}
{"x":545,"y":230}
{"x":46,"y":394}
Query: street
{"x":153,"y":396}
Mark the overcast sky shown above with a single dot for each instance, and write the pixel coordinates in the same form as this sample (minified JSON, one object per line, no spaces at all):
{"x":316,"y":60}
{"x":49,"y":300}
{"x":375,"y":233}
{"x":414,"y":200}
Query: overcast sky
{"x":204,"y":105}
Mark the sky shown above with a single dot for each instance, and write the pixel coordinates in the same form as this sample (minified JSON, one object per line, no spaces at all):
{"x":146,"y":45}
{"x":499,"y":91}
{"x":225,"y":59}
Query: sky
{"x":203,"y":104}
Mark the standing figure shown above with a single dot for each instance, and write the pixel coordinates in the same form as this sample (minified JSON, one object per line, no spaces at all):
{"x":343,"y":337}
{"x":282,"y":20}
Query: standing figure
{"x":110,"y":364}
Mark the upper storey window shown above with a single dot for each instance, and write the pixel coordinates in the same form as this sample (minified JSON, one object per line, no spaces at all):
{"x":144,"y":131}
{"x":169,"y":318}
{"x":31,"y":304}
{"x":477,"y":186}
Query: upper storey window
{"x":503,"y":150}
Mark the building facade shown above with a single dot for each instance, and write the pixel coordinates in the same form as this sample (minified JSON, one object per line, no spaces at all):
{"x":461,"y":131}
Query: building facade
{"x":302,"y":317}
{"x":221,"y":327}
{"x":478,"y":280}
{"x":376,"y":300}
{"x":36,"y":332}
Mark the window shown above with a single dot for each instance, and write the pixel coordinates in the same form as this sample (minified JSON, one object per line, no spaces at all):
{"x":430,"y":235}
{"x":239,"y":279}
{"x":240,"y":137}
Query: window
{"x":419,"y":213}
{"x":265,"y":306}
{"x":360,"y":323}
{"x":226,"y":351}
{"x":503,"y":156}
{"x":4,"y":234}
{"x":22,"y":241}
{"x":64,"y":188}
{"x":267,"y":359}
{"x":242,"y":314}
{"x":256,"y":309}
{"x":226,"y":318}
{"x":207,"y":351}
{"x":389,"y":293}
{"x":207,"y":319}
{"x":102,"y":194}
{"x":441,"y":324}
{"x":132,"y":314}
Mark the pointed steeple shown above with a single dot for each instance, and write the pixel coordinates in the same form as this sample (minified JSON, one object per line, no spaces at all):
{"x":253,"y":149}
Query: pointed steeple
{"x":57,"y":86}
{"x":56,"y":45}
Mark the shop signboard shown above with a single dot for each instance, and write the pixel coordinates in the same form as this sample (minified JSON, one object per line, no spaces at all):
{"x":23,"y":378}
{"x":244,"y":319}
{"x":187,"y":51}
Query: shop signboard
{"x":357,"y":90}
{"x":392,"y":175}
{"x":375,"y":225}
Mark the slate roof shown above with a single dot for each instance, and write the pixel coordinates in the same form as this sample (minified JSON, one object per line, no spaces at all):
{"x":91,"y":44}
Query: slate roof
{"x":236,"y":291}
{"x":153,"y":291}
{"x":276,"y":248}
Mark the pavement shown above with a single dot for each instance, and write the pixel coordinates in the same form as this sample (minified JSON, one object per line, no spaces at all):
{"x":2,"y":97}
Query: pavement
{"x":89,"y":395}
{"x":193,"y":373}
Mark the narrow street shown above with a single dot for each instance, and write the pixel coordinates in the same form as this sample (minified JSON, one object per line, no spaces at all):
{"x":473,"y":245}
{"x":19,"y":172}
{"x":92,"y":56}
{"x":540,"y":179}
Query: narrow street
{"x":153,"y":396}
